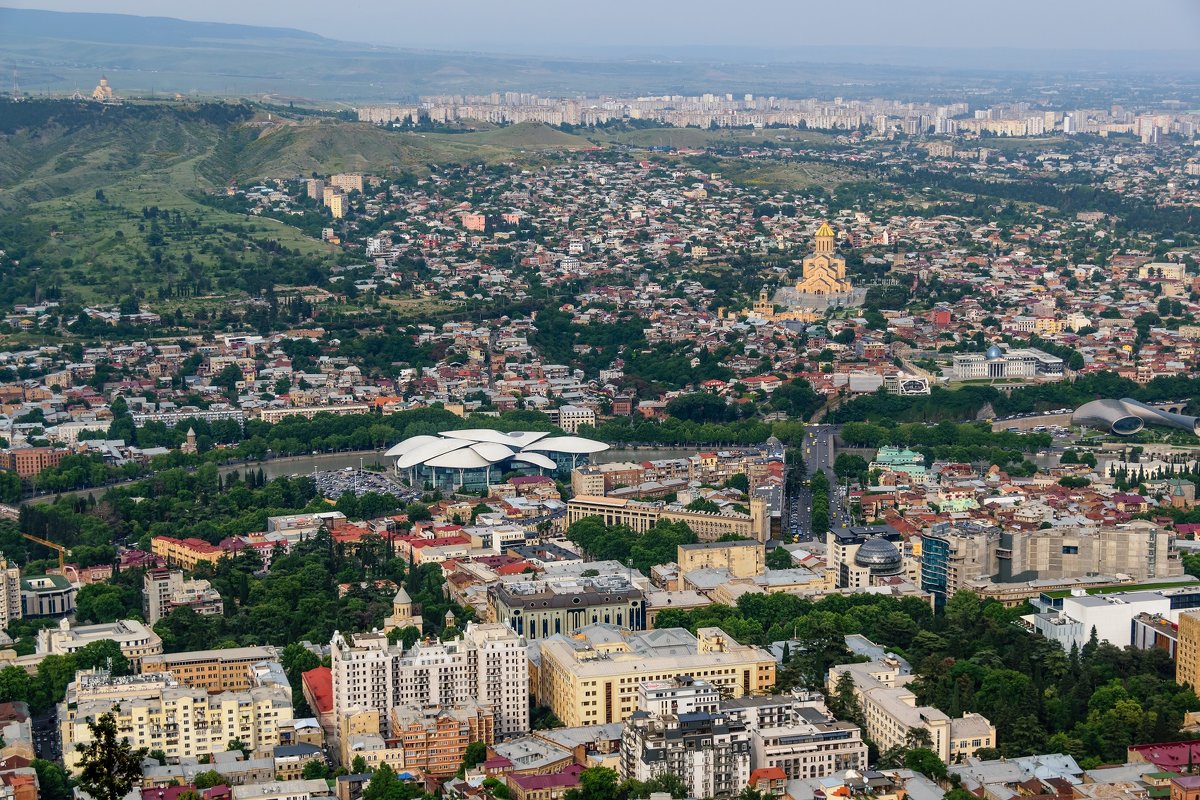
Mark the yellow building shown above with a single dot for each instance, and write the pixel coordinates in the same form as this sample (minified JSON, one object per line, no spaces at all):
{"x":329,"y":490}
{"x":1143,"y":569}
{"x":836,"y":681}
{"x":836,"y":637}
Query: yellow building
{"x":743,"y":559}
{"x":337,"y":205}
{"x":639,"y":516}
{"x":157,"y":713}
{"x":185,"y":553}
{"x":592,"y":678}
{"x":824,"y":271}
{"x":1187,"y":652}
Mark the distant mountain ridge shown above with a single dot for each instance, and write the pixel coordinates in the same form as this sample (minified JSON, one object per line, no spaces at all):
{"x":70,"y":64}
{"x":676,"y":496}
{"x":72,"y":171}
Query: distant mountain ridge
{"x":129,"y":29}
{"x":58,"y":52}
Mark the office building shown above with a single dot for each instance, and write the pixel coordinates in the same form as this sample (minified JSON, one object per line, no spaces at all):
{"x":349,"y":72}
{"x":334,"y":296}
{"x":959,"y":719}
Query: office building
{"x":952,"y":555}
{"x":540,"y":608}
{"x":47,"y":596}
{"x":164,"y":590}
{"x":135,"y":638}
{"x":862,"y":556}
{"x":1026,"y":362}
{"x":156,"y":712}
{"x":228,"y":670}
{"x":487,"y":663}
{"x":592,"y":677}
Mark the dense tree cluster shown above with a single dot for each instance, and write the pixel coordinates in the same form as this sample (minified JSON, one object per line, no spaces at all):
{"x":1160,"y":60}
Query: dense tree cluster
{"x":1091,"y":703}
{"x":642,"y":551}
{"x":947,"y":441}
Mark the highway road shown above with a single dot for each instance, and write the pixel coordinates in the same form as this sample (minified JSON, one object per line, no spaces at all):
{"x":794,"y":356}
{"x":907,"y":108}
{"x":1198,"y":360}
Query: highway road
{"x":818,"y":453}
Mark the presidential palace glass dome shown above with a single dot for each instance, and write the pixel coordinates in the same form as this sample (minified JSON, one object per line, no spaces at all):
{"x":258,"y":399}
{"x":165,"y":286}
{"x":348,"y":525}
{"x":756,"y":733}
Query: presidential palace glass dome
{"x":474,"y":458}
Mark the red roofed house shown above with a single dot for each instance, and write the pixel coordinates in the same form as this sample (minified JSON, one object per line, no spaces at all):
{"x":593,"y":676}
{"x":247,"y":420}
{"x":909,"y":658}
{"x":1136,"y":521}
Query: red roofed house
{"x":1166,"y":756}
{"x":1131,"y":503}
{"x":770,"y":781}
{"x":544,"y":787}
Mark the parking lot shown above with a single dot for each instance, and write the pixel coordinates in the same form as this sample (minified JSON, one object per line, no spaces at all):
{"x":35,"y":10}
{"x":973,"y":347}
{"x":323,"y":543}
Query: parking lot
{"x":334,"y":483}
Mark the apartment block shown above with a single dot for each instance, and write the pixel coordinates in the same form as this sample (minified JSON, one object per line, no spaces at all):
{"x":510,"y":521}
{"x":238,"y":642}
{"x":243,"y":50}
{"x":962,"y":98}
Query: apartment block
{"x":704,"y":746}
{"x":1187,"y":651}
{"x":229,"y":670}
{"x":157,"y":712}
{"x":592,"y":677}
{"x":487,"y":663}
{"x":347,"y":181}
{"x":10,"y":592}
{"x":164,"y":590}
{"x":29,"y":461}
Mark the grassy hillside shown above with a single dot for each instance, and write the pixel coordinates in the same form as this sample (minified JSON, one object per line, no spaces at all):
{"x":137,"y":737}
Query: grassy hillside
{"x":329,"y":146}
{"x":101,"y":203}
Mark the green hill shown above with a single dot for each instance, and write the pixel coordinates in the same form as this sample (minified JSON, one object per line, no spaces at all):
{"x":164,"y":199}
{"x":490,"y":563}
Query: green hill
{"x":327,"y":146}
{"x":103,"y":202}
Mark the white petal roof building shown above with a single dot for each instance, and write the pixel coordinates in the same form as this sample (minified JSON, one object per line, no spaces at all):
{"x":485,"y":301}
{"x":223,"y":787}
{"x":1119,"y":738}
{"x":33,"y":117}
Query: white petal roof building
{"x":453,"y":459}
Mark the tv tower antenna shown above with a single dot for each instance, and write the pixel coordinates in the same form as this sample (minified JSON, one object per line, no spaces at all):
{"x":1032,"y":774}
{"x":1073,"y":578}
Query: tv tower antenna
{"x":16,"y":87}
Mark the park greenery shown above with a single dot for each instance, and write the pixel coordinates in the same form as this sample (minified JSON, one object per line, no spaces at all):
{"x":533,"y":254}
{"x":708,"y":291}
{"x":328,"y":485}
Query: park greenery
{"x":969,"y":442}
{"x":641,"y":551}
{"x":1091,"y":702}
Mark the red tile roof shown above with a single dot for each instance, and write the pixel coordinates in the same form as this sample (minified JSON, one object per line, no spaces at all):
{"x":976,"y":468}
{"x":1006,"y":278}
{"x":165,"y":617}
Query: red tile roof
{"x":320,"y":685}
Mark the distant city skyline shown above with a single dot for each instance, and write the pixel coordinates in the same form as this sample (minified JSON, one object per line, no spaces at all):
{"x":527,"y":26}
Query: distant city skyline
{"x":779,"y":26}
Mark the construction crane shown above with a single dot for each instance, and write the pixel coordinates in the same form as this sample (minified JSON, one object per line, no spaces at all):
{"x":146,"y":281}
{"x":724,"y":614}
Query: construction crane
{"x":62,"y":551}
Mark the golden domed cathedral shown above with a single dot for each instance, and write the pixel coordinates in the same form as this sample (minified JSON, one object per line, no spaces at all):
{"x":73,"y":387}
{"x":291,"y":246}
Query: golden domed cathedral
{"x":824,"y":271}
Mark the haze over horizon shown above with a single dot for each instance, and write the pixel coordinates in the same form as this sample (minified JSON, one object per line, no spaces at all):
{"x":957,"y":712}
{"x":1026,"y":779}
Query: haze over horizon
{"x":672,"y":26}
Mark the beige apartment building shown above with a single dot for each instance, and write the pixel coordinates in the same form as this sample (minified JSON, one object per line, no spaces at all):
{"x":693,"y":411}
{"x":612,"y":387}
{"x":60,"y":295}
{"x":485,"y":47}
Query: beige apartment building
{"x":157,"y":712}
{"x":230,"y":670}
{"x":1187,"y":651}
{"x":487,"y":663}
{"x":592,"y":678}
{"x":164,"y":590}
{"x":347,"y":181}
{"x":892,"y":715}
{"x":10,"y":592}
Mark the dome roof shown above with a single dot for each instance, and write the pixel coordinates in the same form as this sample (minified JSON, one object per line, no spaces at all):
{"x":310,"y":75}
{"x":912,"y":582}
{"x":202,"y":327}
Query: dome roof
{"x":880,"y":555}
{"x":994,"y":352}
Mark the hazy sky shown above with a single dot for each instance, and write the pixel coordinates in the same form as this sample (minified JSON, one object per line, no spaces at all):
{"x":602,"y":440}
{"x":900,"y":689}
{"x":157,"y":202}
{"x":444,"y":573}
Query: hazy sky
{"x":559,"y":25}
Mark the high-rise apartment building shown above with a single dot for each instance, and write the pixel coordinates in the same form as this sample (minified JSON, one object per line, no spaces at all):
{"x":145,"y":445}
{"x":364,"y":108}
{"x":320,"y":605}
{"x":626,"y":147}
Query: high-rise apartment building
{"x":704,"y":746}
{"x":10,"y":592}
{"x":1187,"y":651}
{"x":487,"y":663}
